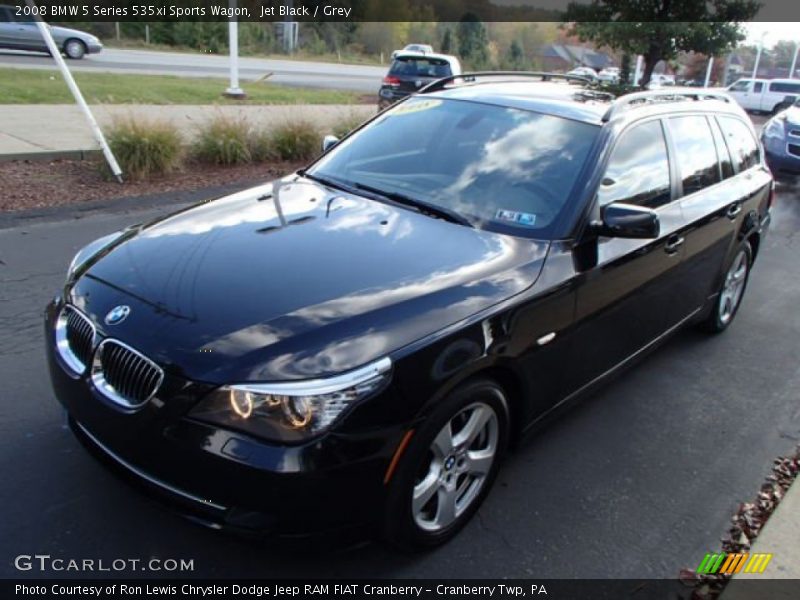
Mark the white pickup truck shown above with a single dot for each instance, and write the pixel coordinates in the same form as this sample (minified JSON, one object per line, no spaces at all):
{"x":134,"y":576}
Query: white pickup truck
{"x":765,"y":95}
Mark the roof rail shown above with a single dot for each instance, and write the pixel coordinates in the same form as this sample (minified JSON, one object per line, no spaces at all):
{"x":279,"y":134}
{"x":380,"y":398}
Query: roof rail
{"x":439,"y":84}
{"x":653,"y":96}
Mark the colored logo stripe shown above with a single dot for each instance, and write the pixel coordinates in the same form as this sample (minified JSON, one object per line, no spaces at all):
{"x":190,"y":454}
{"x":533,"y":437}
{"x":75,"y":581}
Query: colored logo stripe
{"x":733,"y":562}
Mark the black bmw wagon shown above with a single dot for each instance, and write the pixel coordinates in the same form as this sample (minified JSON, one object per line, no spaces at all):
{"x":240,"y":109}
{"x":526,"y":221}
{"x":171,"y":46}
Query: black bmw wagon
{"x":359,"y":343}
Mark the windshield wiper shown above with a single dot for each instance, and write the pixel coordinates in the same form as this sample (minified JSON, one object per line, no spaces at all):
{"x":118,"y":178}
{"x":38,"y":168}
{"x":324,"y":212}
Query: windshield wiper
{"x":421,"y":206}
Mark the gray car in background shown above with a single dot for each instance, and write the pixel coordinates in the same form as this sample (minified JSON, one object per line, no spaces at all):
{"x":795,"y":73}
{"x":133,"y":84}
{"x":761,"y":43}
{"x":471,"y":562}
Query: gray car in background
{"x":19,"y":32}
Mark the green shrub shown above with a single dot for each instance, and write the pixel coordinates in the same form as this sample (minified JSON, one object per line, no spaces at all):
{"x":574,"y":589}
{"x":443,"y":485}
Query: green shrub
{"x":260,"y":145}
{"x":295,"y":141}
{"x":346,"y":124}
{"x":223,"y":141}
{"x":145,"y":148}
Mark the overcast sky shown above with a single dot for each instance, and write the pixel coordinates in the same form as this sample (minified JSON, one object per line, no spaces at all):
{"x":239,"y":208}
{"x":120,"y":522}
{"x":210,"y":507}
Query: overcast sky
{"x":773,"y":32}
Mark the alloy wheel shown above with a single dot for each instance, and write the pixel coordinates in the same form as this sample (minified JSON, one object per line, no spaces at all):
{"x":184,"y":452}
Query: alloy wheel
{"x":733,"y":287}
{"x":458,"y":462}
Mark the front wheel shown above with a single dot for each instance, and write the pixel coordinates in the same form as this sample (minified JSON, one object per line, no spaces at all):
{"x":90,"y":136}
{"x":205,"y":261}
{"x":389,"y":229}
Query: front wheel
{"x":448,"y":468}
{"x":731,"y":291}
{"x":74,"y":49}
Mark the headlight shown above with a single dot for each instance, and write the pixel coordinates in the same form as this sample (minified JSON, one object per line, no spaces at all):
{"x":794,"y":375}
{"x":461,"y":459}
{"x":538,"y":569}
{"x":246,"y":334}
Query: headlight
{"x":774,"y":128}
{"x":291,"y":411}
{"x":90,"y":250}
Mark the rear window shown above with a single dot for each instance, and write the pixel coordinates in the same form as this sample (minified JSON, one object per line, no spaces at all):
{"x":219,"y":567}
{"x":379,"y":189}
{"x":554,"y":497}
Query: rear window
{"x":420,"y":67}
{"x":741,"y":143}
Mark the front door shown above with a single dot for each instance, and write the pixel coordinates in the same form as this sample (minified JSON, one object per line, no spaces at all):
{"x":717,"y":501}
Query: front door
{"x":630,"y":298}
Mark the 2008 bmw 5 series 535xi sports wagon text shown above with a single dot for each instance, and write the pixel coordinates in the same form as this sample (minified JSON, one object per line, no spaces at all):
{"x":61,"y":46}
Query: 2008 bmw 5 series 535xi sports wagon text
{"x":359,"y":342}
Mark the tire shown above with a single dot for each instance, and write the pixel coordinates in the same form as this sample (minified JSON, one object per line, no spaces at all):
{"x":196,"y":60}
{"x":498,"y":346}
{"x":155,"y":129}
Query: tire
{"x":450,"y":473}
{"x":731,"y":291}
{"x":779,"y":107}
{"x":74,"y":49}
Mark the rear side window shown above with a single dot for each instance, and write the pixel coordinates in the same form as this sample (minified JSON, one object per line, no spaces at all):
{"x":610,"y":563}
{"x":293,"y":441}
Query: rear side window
{"x":695,"y":153}
{"x":638,"y":172}
{"x":784,"y":86}
{"x":723,"y":155}
{"x":420,"y":67}
{"x":741,"y":143}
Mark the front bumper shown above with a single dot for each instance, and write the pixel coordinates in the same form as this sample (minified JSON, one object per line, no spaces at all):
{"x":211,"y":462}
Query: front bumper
{"x":783,"y":163}
{"x":94,"y":48}
{"x":222,"y":478}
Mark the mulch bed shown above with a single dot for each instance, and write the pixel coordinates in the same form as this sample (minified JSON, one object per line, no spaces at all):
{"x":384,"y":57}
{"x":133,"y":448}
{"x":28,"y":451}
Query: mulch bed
{"x":35,"y":184}
{"x":746,"y":524}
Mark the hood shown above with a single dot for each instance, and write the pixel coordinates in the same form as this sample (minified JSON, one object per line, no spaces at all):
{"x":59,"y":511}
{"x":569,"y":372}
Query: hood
{"x":793,"y":116}
{"x":296,"y":280}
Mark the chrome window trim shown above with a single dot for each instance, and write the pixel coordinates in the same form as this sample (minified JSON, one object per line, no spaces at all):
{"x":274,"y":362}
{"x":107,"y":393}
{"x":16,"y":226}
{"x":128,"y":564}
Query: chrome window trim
{"x":62,"y":343}
{"x":314,"y":387}
{"x":147,"y":477}
{"x":106,"y":389}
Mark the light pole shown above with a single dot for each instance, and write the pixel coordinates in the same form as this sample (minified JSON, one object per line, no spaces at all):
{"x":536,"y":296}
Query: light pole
{"x":234,"y":91}
{"x":794,"y":60}
{"x":708,"y":71}
{"x":758,"y":55}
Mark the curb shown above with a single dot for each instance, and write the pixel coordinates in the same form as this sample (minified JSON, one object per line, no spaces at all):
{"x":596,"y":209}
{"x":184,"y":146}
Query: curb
{"x":46,"y":155}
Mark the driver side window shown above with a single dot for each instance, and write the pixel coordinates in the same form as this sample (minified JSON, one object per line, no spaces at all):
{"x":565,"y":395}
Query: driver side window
{"x":638,"y":172}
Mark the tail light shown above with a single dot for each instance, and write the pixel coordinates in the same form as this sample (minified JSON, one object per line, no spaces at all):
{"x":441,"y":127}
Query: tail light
{"x":390,"y":80}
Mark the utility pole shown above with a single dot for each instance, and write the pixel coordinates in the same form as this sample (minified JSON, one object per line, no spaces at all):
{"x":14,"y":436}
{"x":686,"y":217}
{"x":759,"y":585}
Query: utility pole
{"x":55,"y":52}
{"x":234,"y":91}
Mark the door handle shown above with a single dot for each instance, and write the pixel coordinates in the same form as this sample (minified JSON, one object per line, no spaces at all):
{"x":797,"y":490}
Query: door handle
{"x":733,"y":210}
{"x":673,"y":244}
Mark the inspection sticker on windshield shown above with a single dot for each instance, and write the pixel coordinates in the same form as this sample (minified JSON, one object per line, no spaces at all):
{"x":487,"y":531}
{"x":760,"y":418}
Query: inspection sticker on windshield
{"x":415,"y":106}
{"x":520,"y":218}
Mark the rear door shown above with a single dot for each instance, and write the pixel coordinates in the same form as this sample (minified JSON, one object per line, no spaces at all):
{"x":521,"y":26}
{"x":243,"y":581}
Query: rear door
{"x":630,"y":297}
{"x":25,"y":34}
{"x":7,"y":29}
{"x":710,"y":201}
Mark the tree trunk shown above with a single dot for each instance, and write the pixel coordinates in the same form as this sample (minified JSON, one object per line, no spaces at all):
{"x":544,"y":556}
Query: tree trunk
{"x":650,"y":62}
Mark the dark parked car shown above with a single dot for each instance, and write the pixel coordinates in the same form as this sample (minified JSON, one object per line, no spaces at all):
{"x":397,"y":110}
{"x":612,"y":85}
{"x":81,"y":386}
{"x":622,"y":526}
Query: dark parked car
{"x":781,"y":138}
{"x":411,"y":71}
{"x":18,"y":31}
{"x":361,"y":341}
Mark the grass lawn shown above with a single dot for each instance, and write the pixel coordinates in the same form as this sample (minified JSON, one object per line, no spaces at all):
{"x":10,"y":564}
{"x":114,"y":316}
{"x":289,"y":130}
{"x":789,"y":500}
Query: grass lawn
{"x":34,"y":86}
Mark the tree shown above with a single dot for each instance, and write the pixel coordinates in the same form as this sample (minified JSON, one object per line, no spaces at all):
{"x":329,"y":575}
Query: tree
{"x":660,"y":29}
{"x":446,"y":46}
{"x":473,"y":40}
{"x":516,"y":57}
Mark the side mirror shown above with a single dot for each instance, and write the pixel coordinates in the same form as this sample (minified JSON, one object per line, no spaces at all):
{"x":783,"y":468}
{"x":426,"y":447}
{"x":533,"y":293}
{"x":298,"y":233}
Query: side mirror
{"x":628,"y":221}
{"x":328,"y":142}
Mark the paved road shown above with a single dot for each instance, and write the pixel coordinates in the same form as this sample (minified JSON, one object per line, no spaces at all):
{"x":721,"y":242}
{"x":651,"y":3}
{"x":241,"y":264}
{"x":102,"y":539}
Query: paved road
{"x":638,"y":481}
{"x":360,"y":78}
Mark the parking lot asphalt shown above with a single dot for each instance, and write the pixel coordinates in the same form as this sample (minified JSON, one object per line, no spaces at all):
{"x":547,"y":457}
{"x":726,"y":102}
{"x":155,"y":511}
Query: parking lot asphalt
{"x":637,"y":481}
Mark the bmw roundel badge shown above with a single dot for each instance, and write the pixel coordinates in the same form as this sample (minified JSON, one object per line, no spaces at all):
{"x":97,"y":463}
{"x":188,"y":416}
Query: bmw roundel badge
{"x":117,"y":314}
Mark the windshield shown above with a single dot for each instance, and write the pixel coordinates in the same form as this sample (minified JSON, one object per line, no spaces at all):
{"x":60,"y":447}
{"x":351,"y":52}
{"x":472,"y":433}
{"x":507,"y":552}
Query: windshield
{"x":502,"y":169}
